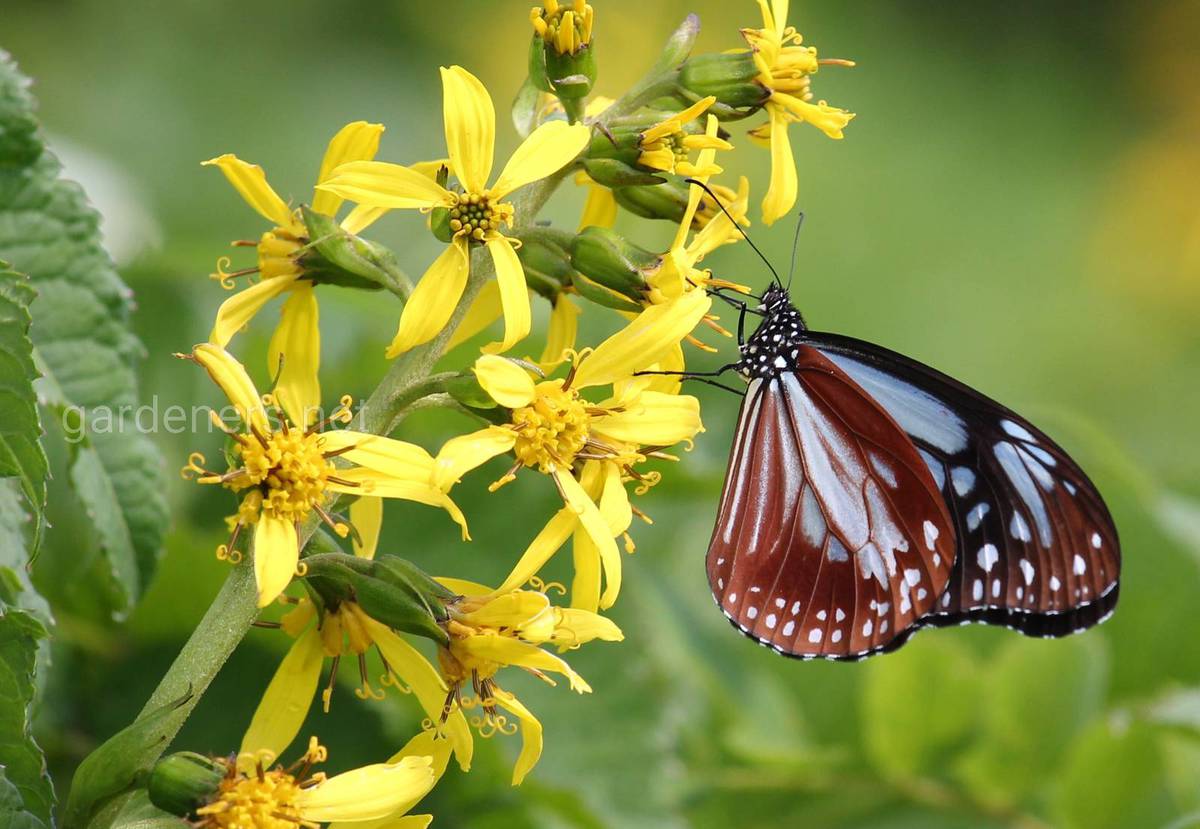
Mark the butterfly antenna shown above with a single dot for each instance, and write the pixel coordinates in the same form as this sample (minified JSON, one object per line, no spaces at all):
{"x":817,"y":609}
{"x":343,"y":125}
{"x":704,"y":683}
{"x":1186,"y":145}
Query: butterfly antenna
{"x":713,"y":196}
{"x":795,"y":247}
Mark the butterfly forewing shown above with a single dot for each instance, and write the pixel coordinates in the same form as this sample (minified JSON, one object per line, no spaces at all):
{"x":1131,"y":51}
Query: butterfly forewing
{"x":832,"y":537}
{"x":1037,"y":548}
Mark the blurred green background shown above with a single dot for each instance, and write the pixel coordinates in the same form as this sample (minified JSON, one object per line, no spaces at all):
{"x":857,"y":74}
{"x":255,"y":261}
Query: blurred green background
{"x":1015,"y":204}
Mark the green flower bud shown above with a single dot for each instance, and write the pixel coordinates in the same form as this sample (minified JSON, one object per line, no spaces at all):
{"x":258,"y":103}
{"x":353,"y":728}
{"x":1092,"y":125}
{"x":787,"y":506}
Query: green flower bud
{"x":181,"y":783}
{"x":601,"y":295}
{"x":612,"y":172}
{"x":661,"y":201}
{"x":547,"y":266}
{"x":610,"y":260}
{"x":729,"y":77}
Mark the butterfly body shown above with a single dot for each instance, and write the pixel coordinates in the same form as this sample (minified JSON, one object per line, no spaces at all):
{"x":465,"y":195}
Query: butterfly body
{"x":869,"y":496}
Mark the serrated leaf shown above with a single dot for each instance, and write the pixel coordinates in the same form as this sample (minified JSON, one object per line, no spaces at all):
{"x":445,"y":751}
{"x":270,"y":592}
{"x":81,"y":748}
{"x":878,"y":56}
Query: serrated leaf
{"x":21,"y":759}
{"x":83,"y":346}
{"x":21,"y":454}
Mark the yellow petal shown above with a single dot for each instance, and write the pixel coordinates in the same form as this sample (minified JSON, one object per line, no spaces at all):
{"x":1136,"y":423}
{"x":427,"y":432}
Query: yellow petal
{"x":600,"y":209}
{"x":240,"y":308}
{"x":427,"y":743}
{"x":585,"y":586}
{"x":647,"y":339}
{"x":396,"y":460}
{"x":578,"y":627}
{"x":704,"y":163}
{"x":295,"y":353}
{"x":531,"y":735}
{"x":512,"y":609}
{"x":231,"y":377}
{"x":361,"y":217}
{"x":672,"y":361}
{"x":362,"y":480}
{"x":470,"y":121}
{"x":541,"y":549}
{"x":504,"y":381}
{"x":829,"y":120}
{"x":357,"y":141}
{"x":781,"y":195}
{"x":514,"y":295}
{"x":485,"y":309}
{"x":276,"y":551}
{"x":366,"y":514}
{"x":432,"y":303}
{"x":251,"y":182}
{"x":653,"y":419}
{"x":506,"y":650}
{"x":415,"y":671}
{"x":614,"y":501}
{"x":285,"y":703}
{"x":779,"y":14}
{"x":720,"y":230}
{"x":547,"y":150}
{"x":597,"y":528}
{"x":564,"y":327}
{"x":369,"y":792}
{"x":381,"y":184}
{"x":461,"y":454}
{"x":462,"y":587}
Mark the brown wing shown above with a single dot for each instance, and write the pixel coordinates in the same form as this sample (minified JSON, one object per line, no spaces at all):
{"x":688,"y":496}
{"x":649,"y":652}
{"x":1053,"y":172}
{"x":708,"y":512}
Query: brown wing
{"x":832,"y":537}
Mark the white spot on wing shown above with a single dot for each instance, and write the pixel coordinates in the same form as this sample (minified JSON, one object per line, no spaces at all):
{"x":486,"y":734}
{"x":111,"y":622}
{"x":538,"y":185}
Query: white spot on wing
{"x":931,"y":534}
{"x":1027,"y":570}
{"x":836,"y":637}
{"x":770,"y":620}
{"x":789,"y":628}
{"x":977,"y":590}
{"x":988,"y":556}
{"x":822,"y":615}
{"x":963,"y":479}
{"x":975,"y":516}
{"x":1079,"y":565}
{"x":752,"y":613}
{"x":815,"y":635}
{"x":1096,"y":541}
{"x":1019,"y":528}
{"x":1016,"y":430}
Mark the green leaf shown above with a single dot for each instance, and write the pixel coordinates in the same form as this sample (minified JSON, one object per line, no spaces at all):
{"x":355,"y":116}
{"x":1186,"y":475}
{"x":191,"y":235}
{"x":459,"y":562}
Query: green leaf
{"x":115,"y":767}
{"x":21,"y":454}
{"x":905,"y":737}
{"x":13,"y":814}
{"x":84,"y":348}
{"x":26,"y":788}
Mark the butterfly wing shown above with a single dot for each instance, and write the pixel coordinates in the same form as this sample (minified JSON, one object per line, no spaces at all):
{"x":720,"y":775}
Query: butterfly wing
{"x":1037,"y":548}
{"x":832,"y":537}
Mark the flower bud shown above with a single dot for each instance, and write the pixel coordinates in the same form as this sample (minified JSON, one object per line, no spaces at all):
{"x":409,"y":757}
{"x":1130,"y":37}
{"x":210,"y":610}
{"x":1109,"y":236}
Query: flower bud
{"x":729,"y":77}
{"x":547,"y":266}
{"x":561,"y":59}
{"x":181,"y":783}
{"x":660,"y":201}
{"x":610,"y":260}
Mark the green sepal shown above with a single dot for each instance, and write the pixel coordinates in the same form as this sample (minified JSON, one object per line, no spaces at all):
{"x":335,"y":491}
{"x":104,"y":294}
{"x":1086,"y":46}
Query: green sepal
{"x":466,"y":390}
{"x":600,"y":295}
{"x":572,"y":75}
{"x":614,"y":172}
{"x":183,"y":782}
{"x":119,"y":764}
{"x":439,"y":224}
{"x":539,"y":78}
{"x":390,"y":591}
{"x":335,"y":257}
{"x":728,"y":76}
{"x":607,"y":258}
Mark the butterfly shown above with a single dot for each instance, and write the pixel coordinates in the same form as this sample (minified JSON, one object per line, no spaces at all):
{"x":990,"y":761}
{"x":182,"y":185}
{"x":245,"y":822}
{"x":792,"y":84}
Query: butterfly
{"x":868,"y":496}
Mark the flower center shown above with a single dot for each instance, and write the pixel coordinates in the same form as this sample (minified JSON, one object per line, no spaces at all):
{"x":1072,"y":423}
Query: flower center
{"x":551,"y":430}
{"x":290,"y":470}
{"x":265,"y":801}
{"x":475,"y":216}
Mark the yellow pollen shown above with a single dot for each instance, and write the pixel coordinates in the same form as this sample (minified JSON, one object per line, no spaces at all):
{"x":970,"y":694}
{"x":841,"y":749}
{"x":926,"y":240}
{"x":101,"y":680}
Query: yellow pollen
{"x":551,"y":430}
{"x":290,"y":472}
{"x":265,"y":801}
{"x":477,"y":217}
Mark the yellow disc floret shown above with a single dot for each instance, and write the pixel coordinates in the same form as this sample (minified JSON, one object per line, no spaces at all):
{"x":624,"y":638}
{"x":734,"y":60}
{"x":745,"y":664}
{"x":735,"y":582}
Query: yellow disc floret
{"x":552,"y":429}
{"x":290,"y":470}
{"x":565,"y":27}
{"x":476,"y":216}
{"x":263,"y":801}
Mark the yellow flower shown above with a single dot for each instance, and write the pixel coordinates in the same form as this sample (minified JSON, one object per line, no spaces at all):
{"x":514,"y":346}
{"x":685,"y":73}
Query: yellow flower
{"x":667,"y":145}
{"x":476,"y":214}
{"x":347,"y":631}
{"x":285,"y":471}
{"x":490,"y":630}
{"x":785,"y":67}
{"x":588,"y":449}
{"x":289,"y":798}
{"x":567,"y":28}
{"x":295,"y":347}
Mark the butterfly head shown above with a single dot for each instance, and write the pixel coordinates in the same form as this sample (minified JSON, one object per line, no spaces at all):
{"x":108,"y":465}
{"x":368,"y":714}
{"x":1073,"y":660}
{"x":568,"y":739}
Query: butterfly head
{"x":771,"y":349}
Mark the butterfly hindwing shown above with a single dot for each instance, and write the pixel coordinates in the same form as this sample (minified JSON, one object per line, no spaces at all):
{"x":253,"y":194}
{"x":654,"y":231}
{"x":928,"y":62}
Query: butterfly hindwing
{"x":1037,"y":548}
{"x":832,"y":538}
